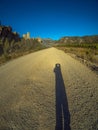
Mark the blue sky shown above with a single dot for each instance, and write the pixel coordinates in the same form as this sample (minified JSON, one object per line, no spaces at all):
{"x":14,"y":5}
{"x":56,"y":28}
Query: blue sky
{"x":51,"y":18}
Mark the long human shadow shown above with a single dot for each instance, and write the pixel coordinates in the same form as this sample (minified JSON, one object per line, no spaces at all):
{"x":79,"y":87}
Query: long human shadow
{"x":62,"y":111}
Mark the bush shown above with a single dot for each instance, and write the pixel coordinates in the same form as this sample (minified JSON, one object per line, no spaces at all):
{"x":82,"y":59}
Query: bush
{"x":82,"y":45}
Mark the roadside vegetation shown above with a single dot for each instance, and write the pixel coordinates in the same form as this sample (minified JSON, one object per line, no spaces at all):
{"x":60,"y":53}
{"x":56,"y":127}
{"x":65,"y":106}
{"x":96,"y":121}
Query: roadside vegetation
{"x":12,"y":46}
{"x":82,"y":45}
{"x":88,"y":52}
{"x":11,"y":50}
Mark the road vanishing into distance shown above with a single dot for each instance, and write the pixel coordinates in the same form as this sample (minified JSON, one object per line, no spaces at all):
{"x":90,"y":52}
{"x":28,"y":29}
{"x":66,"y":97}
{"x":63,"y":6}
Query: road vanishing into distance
{"x":48,"y":90}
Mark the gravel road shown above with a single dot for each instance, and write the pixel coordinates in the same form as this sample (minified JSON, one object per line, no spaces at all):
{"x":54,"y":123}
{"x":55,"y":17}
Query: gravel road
{"x":48,"y":90}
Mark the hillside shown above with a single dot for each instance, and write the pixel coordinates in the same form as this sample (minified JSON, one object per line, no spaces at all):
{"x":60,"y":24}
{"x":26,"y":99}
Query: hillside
{"x":48,"y":42}
{"x":12,"y":45}
{"x":8,"y":38}
{"x":79,"y":40}
{"x":84,"y":49}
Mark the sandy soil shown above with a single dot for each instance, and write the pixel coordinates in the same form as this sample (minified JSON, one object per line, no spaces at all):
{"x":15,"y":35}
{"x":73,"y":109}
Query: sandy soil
{"x":48,"y":90}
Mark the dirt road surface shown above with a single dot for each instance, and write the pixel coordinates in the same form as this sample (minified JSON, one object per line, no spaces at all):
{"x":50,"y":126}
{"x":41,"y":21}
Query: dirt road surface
{"x":48,"y":90}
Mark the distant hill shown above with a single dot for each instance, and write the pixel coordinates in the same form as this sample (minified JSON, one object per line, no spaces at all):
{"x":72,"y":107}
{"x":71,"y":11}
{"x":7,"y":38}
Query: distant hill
{"x":80,"y":40}
{"x":48,"y":41}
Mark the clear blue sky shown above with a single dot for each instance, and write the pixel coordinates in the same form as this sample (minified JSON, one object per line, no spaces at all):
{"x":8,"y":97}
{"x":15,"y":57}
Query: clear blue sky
{"x":51,"y":18}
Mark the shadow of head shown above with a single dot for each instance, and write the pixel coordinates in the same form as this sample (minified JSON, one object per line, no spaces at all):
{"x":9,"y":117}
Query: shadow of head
{"x":57,"y":68}
{"x":57,"y":65}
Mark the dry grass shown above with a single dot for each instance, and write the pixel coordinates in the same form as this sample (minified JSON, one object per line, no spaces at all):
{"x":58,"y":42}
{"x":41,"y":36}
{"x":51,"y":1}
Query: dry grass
{"x":18,"y":53}
{"x":84,"y":53}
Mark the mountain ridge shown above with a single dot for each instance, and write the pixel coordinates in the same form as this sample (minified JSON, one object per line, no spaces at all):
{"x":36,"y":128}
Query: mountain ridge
{"x":79,"y":39}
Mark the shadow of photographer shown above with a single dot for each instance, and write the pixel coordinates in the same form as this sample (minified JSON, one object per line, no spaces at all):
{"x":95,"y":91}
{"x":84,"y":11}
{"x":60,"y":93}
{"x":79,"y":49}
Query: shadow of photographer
{"x":62,"y":111}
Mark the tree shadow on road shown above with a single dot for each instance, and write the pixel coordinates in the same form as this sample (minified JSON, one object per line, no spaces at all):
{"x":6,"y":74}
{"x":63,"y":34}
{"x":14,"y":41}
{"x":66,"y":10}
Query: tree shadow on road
{"x":62,"y":111}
